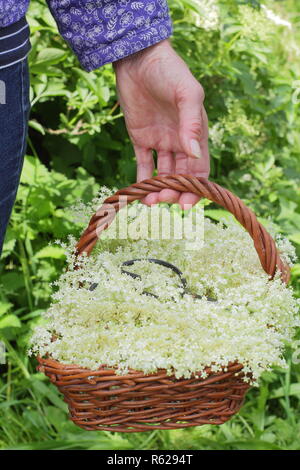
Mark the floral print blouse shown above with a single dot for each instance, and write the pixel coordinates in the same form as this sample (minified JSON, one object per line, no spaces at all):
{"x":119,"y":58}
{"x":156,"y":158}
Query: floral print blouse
{"x":101,"y":31}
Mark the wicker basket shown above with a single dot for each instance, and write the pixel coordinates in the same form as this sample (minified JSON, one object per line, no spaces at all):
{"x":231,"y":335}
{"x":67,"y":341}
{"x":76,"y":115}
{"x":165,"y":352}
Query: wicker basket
{"x":137,"y":402}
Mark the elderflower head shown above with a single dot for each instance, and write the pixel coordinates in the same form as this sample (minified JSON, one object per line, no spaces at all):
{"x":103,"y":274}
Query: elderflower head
{"x":254,"y":24}
{"x":208,"y":14}
{"x":216,"y":135}
{"x":275,"y":18}
{"x":80,"y":212}
{"x":228,"y":310}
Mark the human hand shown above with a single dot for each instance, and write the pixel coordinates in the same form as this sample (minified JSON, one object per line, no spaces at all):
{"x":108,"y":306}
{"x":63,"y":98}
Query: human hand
{"x":163,"y":108}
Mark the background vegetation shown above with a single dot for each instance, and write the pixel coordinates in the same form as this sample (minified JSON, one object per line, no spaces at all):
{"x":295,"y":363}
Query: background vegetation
{"x":77,"y":142}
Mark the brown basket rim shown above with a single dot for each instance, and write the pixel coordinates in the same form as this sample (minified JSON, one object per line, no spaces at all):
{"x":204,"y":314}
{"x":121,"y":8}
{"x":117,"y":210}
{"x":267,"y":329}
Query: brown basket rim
{"x":104,"y":370}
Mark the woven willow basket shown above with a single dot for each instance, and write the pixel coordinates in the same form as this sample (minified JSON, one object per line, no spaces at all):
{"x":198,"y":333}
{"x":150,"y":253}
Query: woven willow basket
{"x":137,"y":402}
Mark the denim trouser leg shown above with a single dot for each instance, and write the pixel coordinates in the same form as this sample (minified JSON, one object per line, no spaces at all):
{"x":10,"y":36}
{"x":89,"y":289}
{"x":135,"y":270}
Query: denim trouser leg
{"x":14,"y":113}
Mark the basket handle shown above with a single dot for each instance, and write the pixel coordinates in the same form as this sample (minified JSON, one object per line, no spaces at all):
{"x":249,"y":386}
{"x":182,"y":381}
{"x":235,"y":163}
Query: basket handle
{"x":263,"y":242}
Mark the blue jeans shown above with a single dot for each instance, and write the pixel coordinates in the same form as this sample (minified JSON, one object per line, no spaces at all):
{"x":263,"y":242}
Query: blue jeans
{"x":14,"y":114}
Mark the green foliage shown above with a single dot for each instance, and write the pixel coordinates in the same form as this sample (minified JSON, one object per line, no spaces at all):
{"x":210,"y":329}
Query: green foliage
{"x":78,"y":141}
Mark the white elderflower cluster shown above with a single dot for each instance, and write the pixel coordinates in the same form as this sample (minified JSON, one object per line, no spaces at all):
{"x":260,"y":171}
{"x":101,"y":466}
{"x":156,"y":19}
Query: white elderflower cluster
{"x":276,"y":19}
{"x":208,"y":15}
{"x":103,"y":316}
{"x":81,"y":212}
{"x":255,"y":24}
{"x":216,"y":135}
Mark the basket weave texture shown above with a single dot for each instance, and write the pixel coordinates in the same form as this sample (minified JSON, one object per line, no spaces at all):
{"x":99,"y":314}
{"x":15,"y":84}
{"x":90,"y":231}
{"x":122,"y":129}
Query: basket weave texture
{"x":103,"y":400}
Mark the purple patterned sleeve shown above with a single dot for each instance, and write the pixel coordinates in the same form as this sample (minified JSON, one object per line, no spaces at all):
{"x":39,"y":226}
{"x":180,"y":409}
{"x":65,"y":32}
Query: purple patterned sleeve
{"x":103,"y":31}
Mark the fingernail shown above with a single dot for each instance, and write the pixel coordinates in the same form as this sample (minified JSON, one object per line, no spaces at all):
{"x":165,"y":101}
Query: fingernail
{"x":195,"y":148}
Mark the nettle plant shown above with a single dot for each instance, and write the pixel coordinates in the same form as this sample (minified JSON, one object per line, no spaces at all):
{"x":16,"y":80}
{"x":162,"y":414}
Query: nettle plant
{"x":229,"y":310}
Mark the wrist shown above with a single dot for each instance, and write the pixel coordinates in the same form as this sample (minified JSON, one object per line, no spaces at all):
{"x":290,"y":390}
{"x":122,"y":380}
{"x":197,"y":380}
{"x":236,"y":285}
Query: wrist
{"x":135,"y":59}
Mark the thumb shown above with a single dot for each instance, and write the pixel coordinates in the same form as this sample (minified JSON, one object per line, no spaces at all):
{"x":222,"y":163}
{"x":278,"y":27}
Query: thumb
{"x":191,"y":122}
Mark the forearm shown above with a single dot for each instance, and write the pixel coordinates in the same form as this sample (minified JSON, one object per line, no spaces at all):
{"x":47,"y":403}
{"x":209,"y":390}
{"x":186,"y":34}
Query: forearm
{"x":100,"y":32}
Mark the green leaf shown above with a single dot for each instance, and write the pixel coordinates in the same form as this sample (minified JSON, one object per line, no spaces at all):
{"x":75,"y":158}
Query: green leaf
{"x":296,"y":270}
{"x":218,"y":214}
{"x":49,"y":55}
{"x":295,"y":238}
{"x":96,"y":85}
{"x":293,"y":390}
{"x":87,"y":78}
{"x":33,"y":418}
{"x":55,"y":416}
{"x":4,"y":307}
{"x":12,"y":281}
{"x":37,"y":126}
{"x":33,"y":171}
{"x":51,"y":252}
{"x":34,"y":314}
{"x":255,"y":444}
{"x":10,"y":321}
{"x":50,"y":393}
{"x":9,"y":243}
